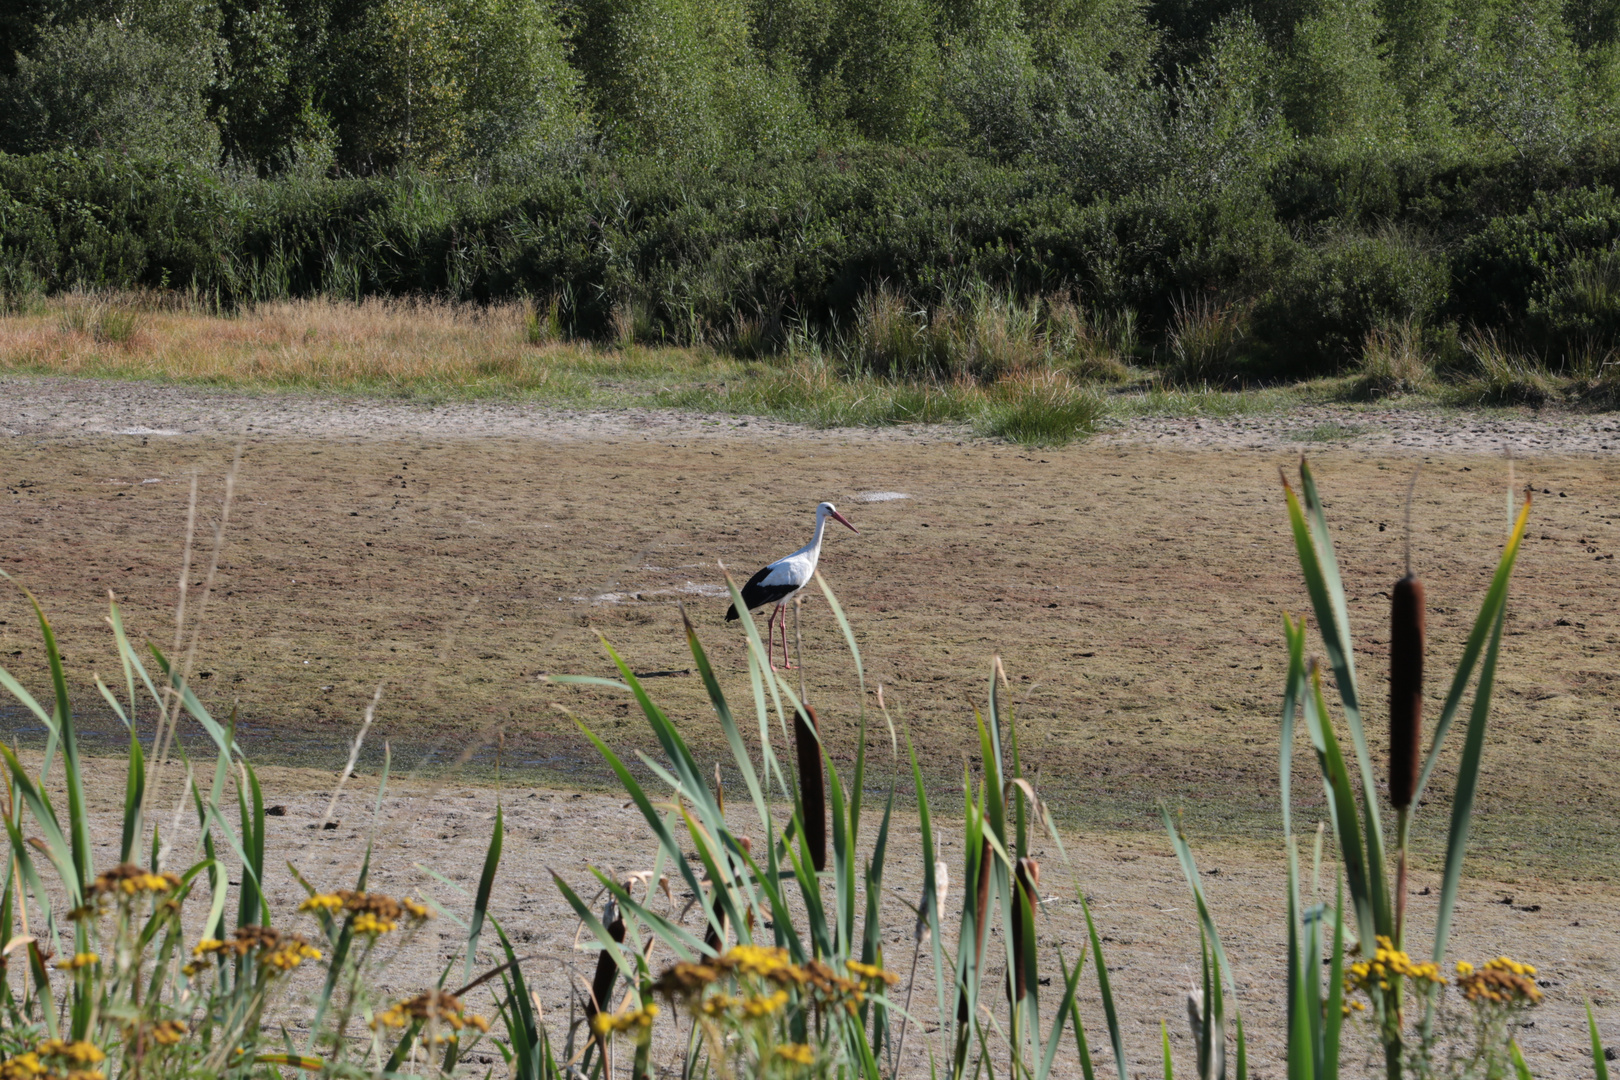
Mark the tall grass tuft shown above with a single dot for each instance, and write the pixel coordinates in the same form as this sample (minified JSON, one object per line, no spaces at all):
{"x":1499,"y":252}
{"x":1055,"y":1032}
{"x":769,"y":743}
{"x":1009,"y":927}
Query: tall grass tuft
{"x":1392,"y":361}
{"x":1503,"y":376}
{"x":1043,"y":411}
{"x":1206,"y":342}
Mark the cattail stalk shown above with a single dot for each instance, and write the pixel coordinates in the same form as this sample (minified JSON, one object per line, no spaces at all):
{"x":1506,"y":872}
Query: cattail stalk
{"x":607,"y":970}
{"x":1405,"y":719}
{"x":981,"y":924}
{"x":1405,"y":689}
{"x":1026,"y":894}
{"x":812,"y":785}
{"x":715,"y":936}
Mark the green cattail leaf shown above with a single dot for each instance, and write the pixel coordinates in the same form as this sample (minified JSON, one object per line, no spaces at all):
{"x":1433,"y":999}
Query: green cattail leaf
{"x":1495,"y":598}
{"x":1600,"y":1060}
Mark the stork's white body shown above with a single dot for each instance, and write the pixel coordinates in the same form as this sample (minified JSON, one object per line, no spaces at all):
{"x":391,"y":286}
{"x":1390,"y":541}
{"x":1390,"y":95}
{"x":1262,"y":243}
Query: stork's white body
{"x":785,"y":578}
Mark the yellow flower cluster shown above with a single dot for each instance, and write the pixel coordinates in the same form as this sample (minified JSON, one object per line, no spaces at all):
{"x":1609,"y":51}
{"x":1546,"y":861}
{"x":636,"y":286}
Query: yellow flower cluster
{"x":372,"y":913}
{"x":825,"y":986}
{"x":627,"y":1019}
{"x":56,"y":1060}
{"x":167,"y":1032}
{"x":124,"y":882}
{"x":872,"y":972}
{"x":127,"y":879}
{"x":1503,"y":981}
{"x":438,"y":1009}
{"x":1388,"y":963}
{"x":798,"y":1053}
{"x":77,"y":961}
{"x":757,"y":1007}
{"x":283,"y":952}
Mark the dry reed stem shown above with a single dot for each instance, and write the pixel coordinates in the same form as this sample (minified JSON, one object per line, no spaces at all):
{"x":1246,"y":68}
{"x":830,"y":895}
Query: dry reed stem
{"x":354,"y":756}
{"x":169,"y":718}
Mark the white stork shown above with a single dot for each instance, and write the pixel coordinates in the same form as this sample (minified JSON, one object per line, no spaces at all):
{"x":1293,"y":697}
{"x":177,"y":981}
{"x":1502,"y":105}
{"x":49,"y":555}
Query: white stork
{"x":783,"y":579}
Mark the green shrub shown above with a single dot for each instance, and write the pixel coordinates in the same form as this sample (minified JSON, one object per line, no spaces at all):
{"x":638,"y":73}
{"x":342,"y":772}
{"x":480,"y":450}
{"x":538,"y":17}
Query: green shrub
{"x":1544,"y":276}
{"x":1317,"y":318}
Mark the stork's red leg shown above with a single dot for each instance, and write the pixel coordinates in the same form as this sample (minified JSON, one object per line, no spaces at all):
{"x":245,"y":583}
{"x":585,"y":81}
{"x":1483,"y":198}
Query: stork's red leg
{"x":770,"y":635}
{"x":787,"y":665}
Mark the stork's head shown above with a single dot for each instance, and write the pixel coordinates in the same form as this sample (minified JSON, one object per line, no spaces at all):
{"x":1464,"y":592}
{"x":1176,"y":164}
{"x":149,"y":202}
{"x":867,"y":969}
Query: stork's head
{"x":827,"y":509}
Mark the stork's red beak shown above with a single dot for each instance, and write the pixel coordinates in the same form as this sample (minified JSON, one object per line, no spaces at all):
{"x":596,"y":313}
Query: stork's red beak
{"x":844,"y":521}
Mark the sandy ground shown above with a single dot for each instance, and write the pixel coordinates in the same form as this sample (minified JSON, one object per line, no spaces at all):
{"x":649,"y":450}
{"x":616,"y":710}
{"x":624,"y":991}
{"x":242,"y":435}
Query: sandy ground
{"x":60,"y":407}
{"x":1133,"y":584}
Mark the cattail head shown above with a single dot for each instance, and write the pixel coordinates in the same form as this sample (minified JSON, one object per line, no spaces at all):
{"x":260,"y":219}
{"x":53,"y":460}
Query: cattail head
{"x":1405,"y":689}
{"x":812,"y":784}
{"x":607,"y":969}
{"x":1026,"y":895}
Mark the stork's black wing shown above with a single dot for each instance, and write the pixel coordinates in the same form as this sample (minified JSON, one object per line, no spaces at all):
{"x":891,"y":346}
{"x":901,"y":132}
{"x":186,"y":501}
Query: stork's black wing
{"x":757,"y":594}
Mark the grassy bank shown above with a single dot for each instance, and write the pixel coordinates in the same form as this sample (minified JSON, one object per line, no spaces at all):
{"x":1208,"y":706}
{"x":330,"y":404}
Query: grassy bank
{"x":1039,"y":374}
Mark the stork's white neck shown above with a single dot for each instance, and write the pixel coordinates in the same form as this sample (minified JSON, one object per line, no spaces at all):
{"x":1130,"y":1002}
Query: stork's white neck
{"x":821,"y":527}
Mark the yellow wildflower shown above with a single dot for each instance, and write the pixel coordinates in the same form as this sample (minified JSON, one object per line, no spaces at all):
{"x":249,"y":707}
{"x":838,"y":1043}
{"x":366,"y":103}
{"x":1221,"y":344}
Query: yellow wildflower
{"x":290,"y":953}
{"x":719,"y":1003}
{"x":758,"y":1007}
{"x":206,"y":946}
{"x":79,"y":1053}
{"x":367,"y":923}
{"x":761,"y":960}
{"x":127,"y":879}
{"x":1389,"y":963}
{"x":1503,"y":981}
{"x":871,"y":972}
{"x":685,"y":980}
{"x":168,"y":1032}
{"x":322,"y":902}
{"x":437,"y":1009}
{"x":626,"y":1020}
{"x":419,"y":912}
{"x":798,"y":1053}
{"x":21,"y":1067}
{"x":78,"y":960}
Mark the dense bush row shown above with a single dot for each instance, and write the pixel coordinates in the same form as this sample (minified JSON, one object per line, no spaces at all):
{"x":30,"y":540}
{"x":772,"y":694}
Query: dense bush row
{"x":1300,"y":272}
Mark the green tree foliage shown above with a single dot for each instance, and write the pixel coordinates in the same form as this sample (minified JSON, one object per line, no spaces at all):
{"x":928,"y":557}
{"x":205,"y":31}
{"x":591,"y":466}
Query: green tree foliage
{"x":135,"y":79}
{"x":679,"y":78}
{"x":1339,"y":87}
{"x":448,"y":84}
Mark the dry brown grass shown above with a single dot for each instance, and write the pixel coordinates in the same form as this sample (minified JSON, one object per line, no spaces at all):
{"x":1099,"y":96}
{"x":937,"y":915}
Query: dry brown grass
{"x":375,"y":345}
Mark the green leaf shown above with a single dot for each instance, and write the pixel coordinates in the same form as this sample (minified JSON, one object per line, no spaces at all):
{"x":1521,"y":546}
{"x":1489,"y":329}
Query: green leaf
{"x":1342,"y":810}
{"x":1495,"y":600}
{"x":1109,"y":1012}
{"x":1521,"y":1070}
{"x":1462,"y":803}
{"x":1600,"y":1060}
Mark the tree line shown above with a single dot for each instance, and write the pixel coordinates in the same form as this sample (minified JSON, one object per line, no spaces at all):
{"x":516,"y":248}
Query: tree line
{"x":1262,"y":189}
{"x":1125,"y":93}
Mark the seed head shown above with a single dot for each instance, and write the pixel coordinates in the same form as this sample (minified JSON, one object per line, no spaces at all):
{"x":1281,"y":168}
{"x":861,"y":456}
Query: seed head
{"x":1405,"y":689}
